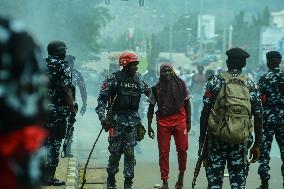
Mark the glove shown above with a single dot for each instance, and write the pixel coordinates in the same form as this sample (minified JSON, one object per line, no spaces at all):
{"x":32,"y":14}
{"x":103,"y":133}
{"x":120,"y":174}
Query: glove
{"x":147,"y":92}
{"x":105,"y":124}
{"x":72,"y":119}
{"x":83,"y":109}
{"x":254,"y":154}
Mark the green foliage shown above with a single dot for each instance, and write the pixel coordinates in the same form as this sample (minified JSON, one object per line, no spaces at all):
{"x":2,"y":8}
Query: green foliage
{"x":182,"y":37}
{"x":86,"y":34}
{"x":247,"y":34}
{"x":142,"y":66}
{"x":76,"y":22}
{"x":152,"y":50}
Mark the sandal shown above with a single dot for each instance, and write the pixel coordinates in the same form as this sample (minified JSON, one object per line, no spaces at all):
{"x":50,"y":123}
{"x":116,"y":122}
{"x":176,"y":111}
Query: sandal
{"x":178,"y":186}
{"x":163,"y":187}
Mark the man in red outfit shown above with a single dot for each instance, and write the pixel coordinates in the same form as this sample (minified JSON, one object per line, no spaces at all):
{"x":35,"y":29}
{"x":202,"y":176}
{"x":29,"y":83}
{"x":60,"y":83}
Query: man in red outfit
{"x":22,"y":100}
{"x":173,"y":118}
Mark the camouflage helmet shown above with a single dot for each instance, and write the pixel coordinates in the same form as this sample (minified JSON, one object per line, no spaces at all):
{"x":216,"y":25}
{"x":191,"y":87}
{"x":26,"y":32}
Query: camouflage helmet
{"x":56,"y":47}
{"x":23,"y":89}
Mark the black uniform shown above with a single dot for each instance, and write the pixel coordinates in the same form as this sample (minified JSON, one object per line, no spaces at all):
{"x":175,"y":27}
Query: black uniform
{"x":59,"y":75}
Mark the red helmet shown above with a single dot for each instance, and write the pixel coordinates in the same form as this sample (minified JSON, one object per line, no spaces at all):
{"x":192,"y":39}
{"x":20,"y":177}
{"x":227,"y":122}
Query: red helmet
{"x":127,"y":57}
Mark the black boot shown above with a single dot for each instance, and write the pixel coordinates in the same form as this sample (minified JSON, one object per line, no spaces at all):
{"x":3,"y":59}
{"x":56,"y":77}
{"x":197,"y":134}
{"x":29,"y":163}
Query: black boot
{"x":49,"y":179}
{"x":47,"y":176}
{"x":68,"y":149}
{"x":128,"y":183}
{"x":111,"y":182}
{"x":55,"y":181}
{"x":264,"y":184}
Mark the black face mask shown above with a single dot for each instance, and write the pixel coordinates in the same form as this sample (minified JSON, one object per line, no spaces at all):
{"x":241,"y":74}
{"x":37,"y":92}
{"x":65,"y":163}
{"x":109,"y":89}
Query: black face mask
{"x":62,"y":56}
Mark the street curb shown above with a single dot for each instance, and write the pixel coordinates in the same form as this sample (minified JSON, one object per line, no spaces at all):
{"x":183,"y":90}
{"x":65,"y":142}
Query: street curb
{"x":72,"y":174}
{"x":72,"y":178}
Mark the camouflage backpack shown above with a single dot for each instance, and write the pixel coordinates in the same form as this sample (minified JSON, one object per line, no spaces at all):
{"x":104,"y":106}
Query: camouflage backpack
{"x":230,"y":117}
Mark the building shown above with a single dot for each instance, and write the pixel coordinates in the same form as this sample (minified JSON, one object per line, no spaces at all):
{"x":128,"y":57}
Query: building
{"x":278,"y":18}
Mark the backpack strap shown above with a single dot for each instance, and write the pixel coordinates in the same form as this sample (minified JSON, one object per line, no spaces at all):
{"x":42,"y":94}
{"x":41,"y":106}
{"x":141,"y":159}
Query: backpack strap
{"x":227,"y":76}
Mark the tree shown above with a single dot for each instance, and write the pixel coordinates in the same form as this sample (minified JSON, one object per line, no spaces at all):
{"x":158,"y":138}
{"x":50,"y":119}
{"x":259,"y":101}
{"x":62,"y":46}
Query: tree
{"x":76,"y":22}
{"x":152,"y":50}
{"x":247,"y":34}
{"x":180,"y":33}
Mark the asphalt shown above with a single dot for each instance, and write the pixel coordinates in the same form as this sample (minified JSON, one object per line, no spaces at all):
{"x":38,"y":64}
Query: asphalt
{"x":147,"y":172}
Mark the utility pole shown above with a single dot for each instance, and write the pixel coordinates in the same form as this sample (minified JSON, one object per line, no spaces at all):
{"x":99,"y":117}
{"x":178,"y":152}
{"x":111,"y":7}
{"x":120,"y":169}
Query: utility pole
{"x":171,"y":37}
{"x":186,"y":7}
{"x":201,"y":40}
{"x":230,"y":36}
{"x":224,"y":46}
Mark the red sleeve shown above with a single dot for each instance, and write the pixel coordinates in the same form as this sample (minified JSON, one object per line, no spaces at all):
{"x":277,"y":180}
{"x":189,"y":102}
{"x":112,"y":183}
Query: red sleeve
{"x":208,"y":94}
{"x":263,"y":99}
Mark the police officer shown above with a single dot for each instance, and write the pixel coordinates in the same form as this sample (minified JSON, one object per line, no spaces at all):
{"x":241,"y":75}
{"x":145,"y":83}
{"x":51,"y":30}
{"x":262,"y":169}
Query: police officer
{"x":220,"y":152}
{"x":23,"y":97}
{"x":124,"y":88}
{"x":60,"y":108}
{"x":77,"y":80}
{"x":272,"y":94}
{"x":197,"y":83}
{"x":151,"y":75}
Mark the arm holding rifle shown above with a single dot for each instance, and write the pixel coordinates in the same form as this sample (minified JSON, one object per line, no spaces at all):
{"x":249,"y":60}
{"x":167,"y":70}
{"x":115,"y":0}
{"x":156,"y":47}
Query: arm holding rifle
{"x":203,"y":125}
{"x":69,"y":102}
{"x":107,"y":90}
{"x":208,"y":100}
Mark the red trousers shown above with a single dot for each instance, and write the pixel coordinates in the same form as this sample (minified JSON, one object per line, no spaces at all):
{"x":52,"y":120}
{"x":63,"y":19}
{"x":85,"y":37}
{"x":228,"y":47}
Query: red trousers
{"x":164,"y":134}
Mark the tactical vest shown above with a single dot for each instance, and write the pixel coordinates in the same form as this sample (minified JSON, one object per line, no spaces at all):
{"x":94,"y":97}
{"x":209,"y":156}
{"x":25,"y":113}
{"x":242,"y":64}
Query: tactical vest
{"x":128,"y":92}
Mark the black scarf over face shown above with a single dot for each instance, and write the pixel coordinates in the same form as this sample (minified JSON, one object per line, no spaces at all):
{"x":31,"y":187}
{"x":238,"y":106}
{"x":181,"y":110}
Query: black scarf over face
{"x":170,"y":95}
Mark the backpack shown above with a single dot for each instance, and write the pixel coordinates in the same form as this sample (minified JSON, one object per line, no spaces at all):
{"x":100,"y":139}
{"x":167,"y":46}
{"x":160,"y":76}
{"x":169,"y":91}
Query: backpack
{"x":230,"y":117}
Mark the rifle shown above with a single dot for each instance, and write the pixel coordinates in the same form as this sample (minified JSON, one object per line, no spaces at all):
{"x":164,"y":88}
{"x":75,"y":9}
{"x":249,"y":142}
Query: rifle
{"x":108,"y":117}
{"x":202,"y":152}
{"x":89,"y":157}
{"x":68,"y":135}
